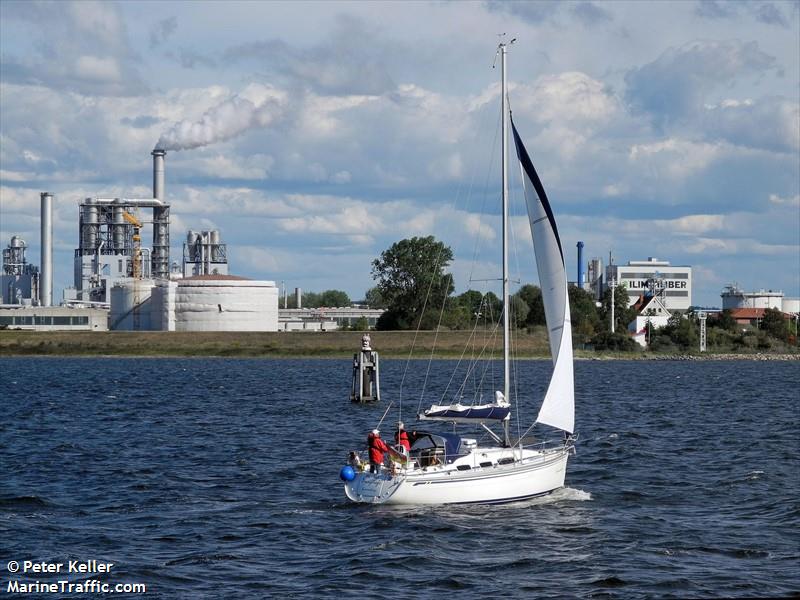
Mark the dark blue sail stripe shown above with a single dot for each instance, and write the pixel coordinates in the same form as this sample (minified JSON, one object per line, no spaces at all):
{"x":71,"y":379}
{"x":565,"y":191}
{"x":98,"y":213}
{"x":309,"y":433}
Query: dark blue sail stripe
{"x":530,"y":171}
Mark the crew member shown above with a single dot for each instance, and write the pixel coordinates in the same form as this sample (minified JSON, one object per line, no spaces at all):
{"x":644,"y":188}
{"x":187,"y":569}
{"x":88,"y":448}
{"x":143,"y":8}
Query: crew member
{"x":376,"y":449}
{"x":355,"y":462}
{"x":401,"y":437}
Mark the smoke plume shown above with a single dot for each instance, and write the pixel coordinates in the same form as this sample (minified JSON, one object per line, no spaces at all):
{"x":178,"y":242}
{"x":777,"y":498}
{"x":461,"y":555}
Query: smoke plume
{"x":227,"y":120}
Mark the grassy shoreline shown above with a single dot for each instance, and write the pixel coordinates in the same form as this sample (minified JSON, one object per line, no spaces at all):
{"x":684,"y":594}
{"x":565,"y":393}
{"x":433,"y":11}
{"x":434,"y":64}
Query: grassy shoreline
{"x":337,"y":344}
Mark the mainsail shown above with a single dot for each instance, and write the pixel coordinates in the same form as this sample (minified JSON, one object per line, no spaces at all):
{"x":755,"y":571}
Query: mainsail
{"x":499,"y":410}
{"x":558,"y":407}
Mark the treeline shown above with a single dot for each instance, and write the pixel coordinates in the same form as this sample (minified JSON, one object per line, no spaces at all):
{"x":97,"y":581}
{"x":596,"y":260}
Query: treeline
{"x":328,"y":298}
{"x":416,"y":291}
{"x":724,"y":334}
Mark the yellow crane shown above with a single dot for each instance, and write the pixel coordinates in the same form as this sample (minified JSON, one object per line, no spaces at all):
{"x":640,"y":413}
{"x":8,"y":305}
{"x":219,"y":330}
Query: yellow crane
{"x":137,"y":243}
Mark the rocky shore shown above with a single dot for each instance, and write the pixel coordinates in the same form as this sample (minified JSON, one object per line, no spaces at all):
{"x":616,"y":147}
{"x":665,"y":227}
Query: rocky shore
{"x":709,"y":356}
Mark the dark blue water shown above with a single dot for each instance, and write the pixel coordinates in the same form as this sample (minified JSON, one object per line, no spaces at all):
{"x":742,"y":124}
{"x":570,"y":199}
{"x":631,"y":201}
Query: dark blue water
{"x":218,"y":478}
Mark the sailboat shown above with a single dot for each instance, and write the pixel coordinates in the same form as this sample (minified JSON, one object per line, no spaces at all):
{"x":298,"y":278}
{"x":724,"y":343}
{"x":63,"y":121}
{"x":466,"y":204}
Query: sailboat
{"x":446,"y":468}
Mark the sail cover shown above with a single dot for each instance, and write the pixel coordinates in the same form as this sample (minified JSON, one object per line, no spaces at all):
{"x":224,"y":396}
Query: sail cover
{"x":460,"y":413}
{"x":558,"y":407}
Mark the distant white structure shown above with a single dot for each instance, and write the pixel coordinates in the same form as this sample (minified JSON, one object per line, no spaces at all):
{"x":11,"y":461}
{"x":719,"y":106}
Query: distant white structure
{"x":130,"y":305}
{"x":326,"y":318}
{"x":735,"y":297}
{"x":53,"y":318}
{"x":225,"y":303}
{"x":19,"y":280}
{"x":672,"y":284}
{"x":200,"y":303}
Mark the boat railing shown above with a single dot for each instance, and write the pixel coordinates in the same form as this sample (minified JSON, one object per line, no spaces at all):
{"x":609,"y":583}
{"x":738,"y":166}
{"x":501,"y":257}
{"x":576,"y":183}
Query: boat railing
{"x":545,"y":445}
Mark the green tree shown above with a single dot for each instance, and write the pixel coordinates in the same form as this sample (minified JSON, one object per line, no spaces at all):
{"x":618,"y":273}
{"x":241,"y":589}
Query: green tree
{"x":623,"y":314}
{"x":583,"y":312}
{"x":619,"y":341}
{"x":532,"y":295}
{"x":492,"y":308}
{"x":485,"y":308}
{"x":411,"y":278}
{"x":472,"y":300}
{"x":334,"y":298}
{"x":518,"y":311}
{"x":374,"y":299}
{"x":360,"y":324}
{"x":775,"y":324}
{"x":682,"y":330}
{"x":724,"y":320}
{"x":310,"y":300}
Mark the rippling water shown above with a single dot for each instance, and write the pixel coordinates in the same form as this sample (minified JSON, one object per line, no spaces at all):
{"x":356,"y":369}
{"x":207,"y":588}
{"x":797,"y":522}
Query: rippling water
{"x":219,"y":478}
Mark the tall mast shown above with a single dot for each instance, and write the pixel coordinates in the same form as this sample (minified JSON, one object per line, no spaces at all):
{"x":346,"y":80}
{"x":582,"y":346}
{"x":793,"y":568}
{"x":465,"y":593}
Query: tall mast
{"x":506,"y":340}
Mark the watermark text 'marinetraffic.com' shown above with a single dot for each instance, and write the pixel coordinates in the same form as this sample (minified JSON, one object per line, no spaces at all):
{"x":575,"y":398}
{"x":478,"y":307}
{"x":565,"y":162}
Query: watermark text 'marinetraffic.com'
{"x":72,"y":567}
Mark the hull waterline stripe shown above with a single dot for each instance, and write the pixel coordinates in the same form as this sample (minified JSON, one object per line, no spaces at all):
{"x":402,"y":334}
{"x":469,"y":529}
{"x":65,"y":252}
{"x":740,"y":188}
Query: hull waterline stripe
{"x":509,"y":500}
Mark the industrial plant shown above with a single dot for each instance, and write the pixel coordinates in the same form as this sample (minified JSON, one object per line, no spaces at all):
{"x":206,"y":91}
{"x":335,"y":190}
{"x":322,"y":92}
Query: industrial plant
{"x":123,"y":283}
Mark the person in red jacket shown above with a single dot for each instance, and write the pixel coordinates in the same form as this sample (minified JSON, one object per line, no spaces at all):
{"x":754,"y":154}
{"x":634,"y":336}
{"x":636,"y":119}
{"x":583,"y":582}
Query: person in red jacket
{"x":376,"y":449}
{"x":401,"y":438}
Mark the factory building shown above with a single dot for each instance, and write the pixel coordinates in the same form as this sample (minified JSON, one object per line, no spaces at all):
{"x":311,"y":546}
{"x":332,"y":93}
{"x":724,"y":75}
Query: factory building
{"x":53,"y":318}
{"x":20,"y":280}
{"x":110,"y":246}
{"x":671,"y":284}
{"x":326,"y":319}
{"x":594,"y":278}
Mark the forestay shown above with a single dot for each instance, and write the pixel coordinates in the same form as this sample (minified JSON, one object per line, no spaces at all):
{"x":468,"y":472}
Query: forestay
{"x":558,"y":407}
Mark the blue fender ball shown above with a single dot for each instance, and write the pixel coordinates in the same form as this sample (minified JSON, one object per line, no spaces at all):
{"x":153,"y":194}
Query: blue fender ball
{"x":347,"y":473}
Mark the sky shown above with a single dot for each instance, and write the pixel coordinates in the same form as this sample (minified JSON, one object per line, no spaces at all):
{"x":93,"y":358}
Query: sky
{"x":314,"y":135}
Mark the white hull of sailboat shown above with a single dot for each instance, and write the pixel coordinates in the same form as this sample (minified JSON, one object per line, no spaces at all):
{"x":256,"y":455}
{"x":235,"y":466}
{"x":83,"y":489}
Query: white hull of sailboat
{"x":537,"y":474}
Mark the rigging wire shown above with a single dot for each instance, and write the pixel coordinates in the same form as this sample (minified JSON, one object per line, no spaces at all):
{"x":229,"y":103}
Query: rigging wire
{"x":468,"y":196}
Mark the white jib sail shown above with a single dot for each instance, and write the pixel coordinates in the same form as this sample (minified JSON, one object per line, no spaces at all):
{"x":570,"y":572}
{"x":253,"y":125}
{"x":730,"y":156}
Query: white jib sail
{"x":558,"y":407}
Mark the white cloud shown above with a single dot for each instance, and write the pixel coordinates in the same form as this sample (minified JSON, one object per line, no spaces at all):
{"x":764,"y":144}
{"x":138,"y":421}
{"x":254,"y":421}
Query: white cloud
{"x":778,"y":200}
{"x":96,"y":68}
{"x":674,"y":158}
{"x":704,"y":245}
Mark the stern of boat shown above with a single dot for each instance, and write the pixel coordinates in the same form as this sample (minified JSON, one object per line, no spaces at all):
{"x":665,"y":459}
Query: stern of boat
{"x":371,"y":488}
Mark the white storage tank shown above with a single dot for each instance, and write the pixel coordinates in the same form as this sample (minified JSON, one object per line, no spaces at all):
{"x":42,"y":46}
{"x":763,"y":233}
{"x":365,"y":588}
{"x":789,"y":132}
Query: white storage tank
{"x":162,"y":306}
{"x":791,"y":305}
{"x":225,"y":303}
{"x":130,"y":305}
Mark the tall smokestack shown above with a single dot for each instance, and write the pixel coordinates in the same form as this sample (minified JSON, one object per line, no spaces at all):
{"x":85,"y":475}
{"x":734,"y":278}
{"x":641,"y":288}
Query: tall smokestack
{"x":298,"y":297}
{"x":46,"y":285}
{"x":158,"y":173}
{"x":580,"y":265}
{"x":160,"y":256}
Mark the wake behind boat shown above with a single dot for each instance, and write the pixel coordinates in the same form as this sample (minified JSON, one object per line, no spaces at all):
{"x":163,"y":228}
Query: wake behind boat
{"x":436,"y":468}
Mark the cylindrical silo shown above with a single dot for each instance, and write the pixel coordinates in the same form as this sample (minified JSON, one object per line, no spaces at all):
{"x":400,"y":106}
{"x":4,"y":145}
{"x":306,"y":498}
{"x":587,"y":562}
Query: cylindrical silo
{"x":90,"y":225}
{"x":130,"y":305}
{"x":225,"y":303}
{"x":119,"y":226}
